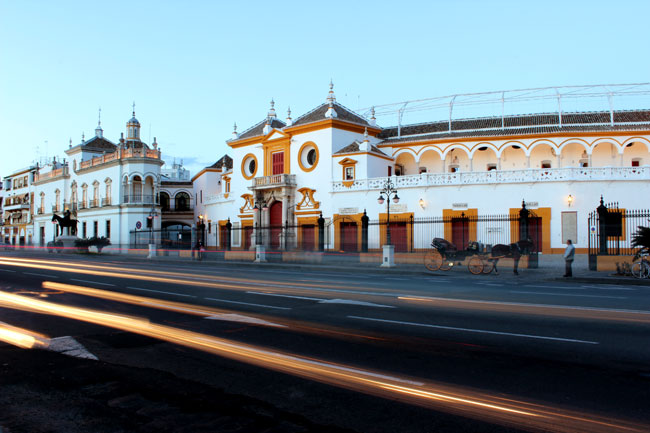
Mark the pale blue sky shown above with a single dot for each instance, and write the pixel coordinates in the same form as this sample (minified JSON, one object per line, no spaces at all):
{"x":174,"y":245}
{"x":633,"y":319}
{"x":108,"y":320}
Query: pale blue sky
{"x":193,"y":68}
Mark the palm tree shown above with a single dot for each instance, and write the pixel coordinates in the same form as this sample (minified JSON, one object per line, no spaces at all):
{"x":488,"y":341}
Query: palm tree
{"x":641,"y":239}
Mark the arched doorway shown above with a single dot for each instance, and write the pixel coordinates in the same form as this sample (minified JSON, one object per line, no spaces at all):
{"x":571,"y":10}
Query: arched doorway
{"x":275,"y":223}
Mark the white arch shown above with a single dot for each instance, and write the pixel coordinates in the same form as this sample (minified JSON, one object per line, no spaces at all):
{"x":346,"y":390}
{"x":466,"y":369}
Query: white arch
{"x":636,"y":140}
{"x":427,"y":149}
{"x":578,"y":141}
{"x":540,"y":142}
{"x":611,"y":141}
{"x":455,"y":146}
{"x":132,"y":176}
{"x":483,"y":144}
{"x":405,"y":150}
{"x":509,"y":144}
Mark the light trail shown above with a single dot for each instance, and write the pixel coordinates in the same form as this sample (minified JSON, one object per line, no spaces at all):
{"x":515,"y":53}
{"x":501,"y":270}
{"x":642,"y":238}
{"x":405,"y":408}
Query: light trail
{"x":220,"y":282}
{"x":458,"y":400}
{"x":600,"y":314}
{"x":204,"y":311}
{"x":298,"y":289}
{"x":20,"y":337}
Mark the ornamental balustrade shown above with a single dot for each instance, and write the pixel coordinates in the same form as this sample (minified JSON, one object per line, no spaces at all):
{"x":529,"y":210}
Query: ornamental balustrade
{"x":59,"y":172}
{"x":140,"y":199}
{"x":274,"y":180}
{"x":501,"y":176}
{"x":124,"y":154}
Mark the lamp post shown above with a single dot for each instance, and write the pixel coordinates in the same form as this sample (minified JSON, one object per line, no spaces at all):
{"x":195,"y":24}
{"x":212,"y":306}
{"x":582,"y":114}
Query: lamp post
{"x":260,"y":251}
{"x":260,"y":205}
{"x":150,"y":221}
{"x":388,"y":190}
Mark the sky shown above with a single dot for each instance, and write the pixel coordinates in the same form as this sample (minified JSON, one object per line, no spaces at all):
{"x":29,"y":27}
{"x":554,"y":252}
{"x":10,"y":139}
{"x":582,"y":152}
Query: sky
{"x":193,"y":68}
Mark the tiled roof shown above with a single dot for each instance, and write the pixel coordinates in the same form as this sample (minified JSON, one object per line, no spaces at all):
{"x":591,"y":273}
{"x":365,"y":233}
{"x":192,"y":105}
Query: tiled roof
{"x":354,"y":148}
{"x":99,"y":143}
{"x":518,"y":125}
{"x":318,"y":114}
{"x":258,"y":129}
{"x":225,"y":161}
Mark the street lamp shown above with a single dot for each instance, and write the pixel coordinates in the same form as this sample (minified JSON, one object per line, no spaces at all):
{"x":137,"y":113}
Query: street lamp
{"x":260,"y":205}
{"x":388,"y":190}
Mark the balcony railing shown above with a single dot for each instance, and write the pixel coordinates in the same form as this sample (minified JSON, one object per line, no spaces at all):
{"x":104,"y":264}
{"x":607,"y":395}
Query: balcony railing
{"x":497,"y":176}
{"x":59,"y":172}
{"x":120,"y":154}
{"x":106,"y":201}
{"x":40,"y":210}
{"x":94,"y":203}
{"x":274,"y":181}
{"x":140,"y":199}
{"x":55,"y":208}
{"x":82,"y":205}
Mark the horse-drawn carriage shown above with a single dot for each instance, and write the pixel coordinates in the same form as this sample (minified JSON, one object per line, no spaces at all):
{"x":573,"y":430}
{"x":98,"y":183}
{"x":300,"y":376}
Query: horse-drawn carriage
{"x":444,"y":254}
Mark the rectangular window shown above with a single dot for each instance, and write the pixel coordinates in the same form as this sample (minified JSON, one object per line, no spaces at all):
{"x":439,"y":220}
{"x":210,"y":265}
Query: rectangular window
{"x":635,"y":163}
{"x":390,"y":171}
{"x":108,"y":229}
{"x":278,"y":162}
{"x":201,"y":196}
{"x":83,"y":229}
{"x":349,"y":173}
{"x":94,"y":228}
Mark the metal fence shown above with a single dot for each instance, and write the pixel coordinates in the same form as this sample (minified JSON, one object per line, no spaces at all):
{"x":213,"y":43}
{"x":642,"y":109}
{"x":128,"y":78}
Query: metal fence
{"x":611,"y":230}
{"x":171,"y":238}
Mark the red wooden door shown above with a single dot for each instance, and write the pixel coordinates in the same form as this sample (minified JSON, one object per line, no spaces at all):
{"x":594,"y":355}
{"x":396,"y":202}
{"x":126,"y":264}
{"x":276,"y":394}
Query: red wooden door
{"x":275,"y":222}
{"x":535,"y":233}
{"x":398,"y":236}
{"x":248,"y":233}
{"x":460,"y":232}
{"x":278,"y":163}
{"x":308,"y":237}
{"x":348,"y":236}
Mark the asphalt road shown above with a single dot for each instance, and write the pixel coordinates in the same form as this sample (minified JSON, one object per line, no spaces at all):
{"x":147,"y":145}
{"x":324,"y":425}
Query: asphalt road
{"x":368,"y":351}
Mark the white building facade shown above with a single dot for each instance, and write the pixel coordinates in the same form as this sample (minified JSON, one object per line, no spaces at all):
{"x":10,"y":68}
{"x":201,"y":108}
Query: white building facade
{"x":332,"y":162}
{"x":110,"y":189}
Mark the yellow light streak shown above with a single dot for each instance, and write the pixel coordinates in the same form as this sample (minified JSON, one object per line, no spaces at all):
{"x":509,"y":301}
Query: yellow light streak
{"x":534,"y":309}
{"x":20,"y":337}
{"x":441,"y":397}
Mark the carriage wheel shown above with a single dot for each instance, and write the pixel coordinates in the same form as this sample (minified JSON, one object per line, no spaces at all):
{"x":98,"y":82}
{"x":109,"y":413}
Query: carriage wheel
{"x":446,"y":264}
{"x":432,"y":260}
{"x":475,"y":265}
{"x":488,"y":265}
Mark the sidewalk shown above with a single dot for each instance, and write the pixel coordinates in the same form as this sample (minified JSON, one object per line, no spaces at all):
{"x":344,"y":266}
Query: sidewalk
{"x":550,"y":267}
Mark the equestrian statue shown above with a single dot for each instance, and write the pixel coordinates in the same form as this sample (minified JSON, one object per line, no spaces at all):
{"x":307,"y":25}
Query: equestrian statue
{"x":66,"y":221}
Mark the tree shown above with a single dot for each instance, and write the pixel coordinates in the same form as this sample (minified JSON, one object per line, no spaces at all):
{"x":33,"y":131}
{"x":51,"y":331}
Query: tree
{"x":641,"y":239}
{"x":100,"y":243}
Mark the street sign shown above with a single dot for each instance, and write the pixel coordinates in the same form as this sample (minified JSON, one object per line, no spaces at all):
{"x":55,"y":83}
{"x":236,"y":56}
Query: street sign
{"x":138,"y":225}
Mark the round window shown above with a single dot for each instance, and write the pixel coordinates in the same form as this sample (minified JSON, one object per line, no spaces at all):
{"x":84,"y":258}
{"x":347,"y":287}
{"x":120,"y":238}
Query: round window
{"x":311,"y":157}
{"x":308,"y":156}
{"x":251,"y":166}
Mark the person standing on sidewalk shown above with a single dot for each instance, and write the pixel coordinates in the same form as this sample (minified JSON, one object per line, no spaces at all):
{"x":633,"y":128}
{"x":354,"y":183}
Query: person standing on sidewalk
{"x":569,"y":252}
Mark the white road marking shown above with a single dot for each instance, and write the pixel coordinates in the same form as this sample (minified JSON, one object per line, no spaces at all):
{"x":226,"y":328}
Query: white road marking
{"x":553,"y":287}
{"x":480,"y":331}
{"x":397,"y":279}
{"x":69,"y":346}
{"x":491,"y":284}
{"x":40,"y":275}
{"x":93,"y":282}
{"x":244,"y":319}
{"x":609,"y":288}
{"x":160,"y":291}
{"x":567,"y":294}
{"x":7,"y":270}
{"x":287,"y":296}
{"x":352,"y":302}
{"x":247,"y":303}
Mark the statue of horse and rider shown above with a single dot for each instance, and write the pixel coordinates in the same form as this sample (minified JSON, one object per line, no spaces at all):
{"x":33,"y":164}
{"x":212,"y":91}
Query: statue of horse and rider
{"x":66,"y":221}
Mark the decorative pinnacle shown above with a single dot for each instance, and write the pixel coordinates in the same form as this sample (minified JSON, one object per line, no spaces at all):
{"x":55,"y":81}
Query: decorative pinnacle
{"x":133,"y":108}
{"x":235,"y":127}
{"x":372,"y":113}
{"x":99,"y":117}
{"x":330,"y":96}
{"x":289,"y":112}
{"x":365,"y":133}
